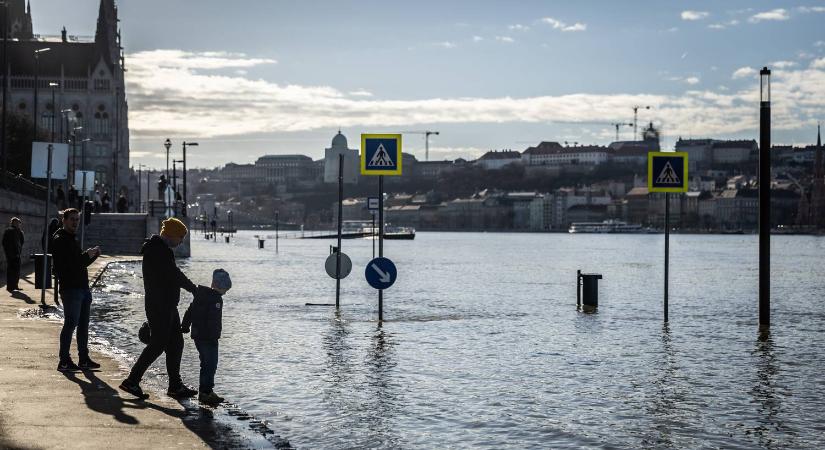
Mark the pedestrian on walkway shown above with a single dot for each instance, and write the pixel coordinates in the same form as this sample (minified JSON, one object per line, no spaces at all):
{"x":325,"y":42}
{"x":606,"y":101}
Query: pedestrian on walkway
{"x":162,"y":282}
{"x":204,"y":316}
{"x":13,"y":248}
{"x":70,"y":265}
{"x":122,"y":204}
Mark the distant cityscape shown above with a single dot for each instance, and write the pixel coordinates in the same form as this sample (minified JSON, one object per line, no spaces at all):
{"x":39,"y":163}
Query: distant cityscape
{"x":546,"y":187}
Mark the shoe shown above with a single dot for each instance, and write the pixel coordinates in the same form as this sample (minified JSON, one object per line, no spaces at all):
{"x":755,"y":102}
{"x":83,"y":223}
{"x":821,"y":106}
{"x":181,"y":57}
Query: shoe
{"x":210,"y":398}
{"x":67,"y":365}
{"x":88,"y":364}
{"x":181,"y":391}
{"x":133,"y":388}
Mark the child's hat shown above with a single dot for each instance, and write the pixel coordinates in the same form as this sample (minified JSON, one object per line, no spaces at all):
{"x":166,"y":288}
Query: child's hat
{"x":221,"y":280}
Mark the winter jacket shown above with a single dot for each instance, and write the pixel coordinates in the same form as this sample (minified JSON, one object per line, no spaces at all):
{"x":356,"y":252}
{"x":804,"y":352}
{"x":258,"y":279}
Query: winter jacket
{"x":204,"y":314}
{"x":13,"y":242}
{"x":162,"y":280}
{"x":70,"y":261}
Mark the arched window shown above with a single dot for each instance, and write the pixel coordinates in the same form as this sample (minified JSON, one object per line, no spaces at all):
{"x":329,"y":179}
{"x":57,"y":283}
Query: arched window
{"x":101,"y":122}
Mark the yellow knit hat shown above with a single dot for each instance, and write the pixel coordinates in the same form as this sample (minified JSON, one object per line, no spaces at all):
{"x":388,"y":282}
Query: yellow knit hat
{"x":173,"y":228}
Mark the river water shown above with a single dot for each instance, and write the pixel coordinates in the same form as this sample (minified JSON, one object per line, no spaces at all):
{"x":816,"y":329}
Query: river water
{"x":482,"y":346}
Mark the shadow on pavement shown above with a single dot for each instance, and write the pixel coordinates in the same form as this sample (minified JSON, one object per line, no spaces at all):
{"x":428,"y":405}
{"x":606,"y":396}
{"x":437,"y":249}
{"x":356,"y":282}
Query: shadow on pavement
{"x":22,"y":296}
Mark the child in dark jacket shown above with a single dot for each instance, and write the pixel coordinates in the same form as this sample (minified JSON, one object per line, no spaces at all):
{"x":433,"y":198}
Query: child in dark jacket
{"x":204,"y":316}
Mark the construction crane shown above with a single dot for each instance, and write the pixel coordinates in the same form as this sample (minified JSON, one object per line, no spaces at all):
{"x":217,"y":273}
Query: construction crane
{"x":635,"y":116}
{"x":426,"y":134}
{"x":617,"y":125}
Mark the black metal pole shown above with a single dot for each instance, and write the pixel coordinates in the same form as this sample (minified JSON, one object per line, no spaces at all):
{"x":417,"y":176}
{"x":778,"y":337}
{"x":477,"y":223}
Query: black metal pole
{"x":277,"y":225}
{"x":5,"y":87}
{"x":380,"y":241}
{"x":53,"y":113}
{"x":174,"y":187}
{"x":765,"y":202}
{"x":184,"y":182}
{"x":44,"y":278}
{"x":667,"y":248}
{"x":36,"y":81}
{"x":578,"y":289}
{"x":373,"y":234}
{"x":340,"y":225}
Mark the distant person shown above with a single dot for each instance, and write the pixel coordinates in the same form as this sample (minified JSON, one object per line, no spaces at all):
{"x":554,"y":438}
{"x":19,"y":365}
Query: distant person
{"x":122,"y":204}
{"x":54,"y":225}
{"x":204,"y":316}
{"x":73,"y":197}
{"x":60,"y":198}
{"x":105,"y":202}
{"x":97,"y":202}
{"x":70,"y":265}
{"x":162,"y":188}
{"x":13,"y":248}
{"x":162,"y":282}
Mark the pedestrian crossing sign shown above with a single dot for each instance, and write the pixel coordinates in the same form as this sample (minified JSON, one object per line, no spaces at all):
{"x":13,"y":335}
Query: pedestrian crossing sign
{"x":380,"y":154}
{"x":667,"y":172}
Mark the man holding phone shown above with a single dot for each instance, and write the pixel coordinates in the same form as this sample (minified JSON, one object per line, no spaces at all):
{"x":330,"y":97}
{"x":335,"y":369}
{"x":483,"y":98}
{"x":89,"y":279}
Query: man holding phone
{"x":70,"y":264}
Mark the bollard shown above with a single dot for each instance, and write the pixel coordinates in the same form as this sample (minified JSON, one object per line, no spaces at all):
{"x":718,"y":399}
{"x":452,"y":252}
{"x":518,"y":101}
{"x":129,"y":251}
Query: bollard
{"x":226,"y":238}
{"x":260,"y":243}
{"x":38,"y":271}
{"x":587,"y":289}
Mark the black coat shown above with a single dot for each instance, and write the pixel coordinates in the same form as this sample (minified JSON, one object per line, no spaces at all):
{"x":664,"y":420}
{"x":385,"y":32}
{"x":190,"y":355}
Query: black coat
{"x":162,"y":280}
{"x":204,"y":314}
{"x":70,"y":261}
{"x":13,"y":242}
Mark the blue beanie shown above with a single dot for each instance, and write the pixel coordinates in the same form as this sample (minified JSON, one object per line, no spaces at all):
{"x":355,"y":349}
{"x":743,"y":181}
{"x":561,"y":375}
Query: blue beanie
{"x":221,"y":280}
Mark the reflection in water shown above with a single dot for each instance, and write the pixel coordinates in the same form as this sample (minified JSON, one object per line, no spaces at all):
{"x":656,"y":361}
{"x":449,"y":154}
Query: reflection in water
{"x":764,"y":392}
{"x":383,"y":396}
{"x":668,"y":397}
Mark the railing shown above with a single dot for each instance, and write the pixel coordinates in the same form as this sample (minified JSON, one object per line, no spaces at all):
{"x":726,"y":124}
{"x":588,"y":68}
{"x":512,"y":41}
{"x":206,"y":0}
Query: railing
{"x":20,"y":185}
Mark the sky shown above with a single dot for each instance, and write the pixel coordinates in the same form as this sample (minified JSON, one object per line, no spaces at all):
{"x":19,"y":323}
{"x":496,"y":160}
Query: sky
{"x":246,"y":78}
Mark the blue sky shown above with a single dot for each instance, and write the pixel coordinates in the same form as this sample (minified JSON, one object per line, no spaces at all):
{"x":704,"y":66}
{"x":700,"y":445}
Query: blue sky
{"x":253,"y":77}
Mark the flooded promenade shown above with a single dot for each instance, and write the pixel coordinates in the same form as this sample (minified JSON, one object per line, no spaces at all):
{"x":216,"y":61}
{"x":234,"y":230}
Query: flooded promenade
{"x":482,"y":346}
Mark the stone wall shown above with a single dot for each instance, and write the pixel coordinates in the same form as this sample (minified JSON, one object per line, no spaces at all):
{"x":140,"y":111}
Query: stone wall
{"x":30,"y":210}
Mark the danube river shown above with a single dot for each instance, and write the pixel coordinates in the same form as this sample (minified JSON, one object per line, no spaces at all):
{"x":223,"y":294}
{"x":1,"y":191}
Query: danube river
{"x":482,"y":346}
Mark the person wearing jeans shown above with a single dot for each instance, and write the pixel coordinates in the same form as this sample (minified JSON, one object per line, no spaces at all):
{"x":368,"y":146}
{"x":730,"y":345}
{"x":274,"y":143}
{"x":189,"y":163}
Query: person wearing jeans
{"x":70,"y":266}
{"x":77,"y":305}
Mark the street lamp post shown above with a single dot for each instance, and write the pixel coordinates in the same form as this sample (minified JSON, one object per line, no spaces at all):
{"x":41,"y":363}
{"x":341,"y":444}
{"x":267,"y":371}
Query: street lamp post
{"x":5,"y":7}
{"x":36,"y":82}
{"x":53,"y":85}
{"x":185,"y":200}
{"x":168,"y":144}
{"x":140,"y":190}
{"x":764,"y":198}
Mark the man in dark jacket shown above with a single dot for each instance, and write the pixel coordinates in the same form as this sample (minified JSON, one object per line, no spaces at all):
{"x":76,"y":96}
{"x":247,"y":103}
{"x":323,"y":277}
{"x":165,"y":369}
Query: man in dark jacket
{"x":204,"y":315}
{"x":162,"y":281}
{"x":70,"y":265}
{"x":13,"y":248}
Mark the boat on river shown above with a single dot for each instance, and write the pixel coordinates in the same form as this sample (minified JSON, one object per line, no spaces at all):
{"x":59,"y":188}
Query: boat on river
{"x":609,"y":226}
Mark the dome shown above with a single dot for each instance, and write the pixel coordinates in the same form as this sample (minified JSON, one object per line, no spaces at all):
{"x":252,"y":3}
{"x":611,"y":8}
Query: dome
{"x":339,"y":141}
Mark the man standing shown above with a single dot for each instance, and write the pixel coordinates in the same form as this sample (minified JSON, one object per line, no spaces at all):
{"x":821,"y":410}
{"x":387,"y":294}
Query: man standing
{"x":70,"y":265}
{"x":13,"y":248}
{"x":162,"y":281}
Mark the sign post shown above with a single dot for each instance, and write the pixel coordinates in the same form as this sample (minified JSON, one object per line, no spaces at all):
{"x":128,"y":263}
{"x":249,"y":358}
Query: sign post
{"x":667,"y":172}
{"x":380,"y":155}
{"x":49,"y":161}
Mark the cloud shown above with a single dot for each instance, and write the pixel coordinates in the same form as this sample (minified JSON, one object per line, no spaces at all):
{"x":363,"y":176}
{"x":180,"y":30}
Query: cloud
{"x":506,"y":39}
{"x":446,"y":44}
{"x":811,"y":9}
{"x":692,"y":80}
{"x":559,"y":25}
{"x":360,"y":93}
{"x":819,"y":44}
{"x":723,"y":25}
{"x":782,"y":64}
{"x":743,"y":72}
{"x":477,"y":38}
{"x":169,"y":97}
{"x":518,"y":27}
{"x":774,"y":14}
{"x":694,"y":15}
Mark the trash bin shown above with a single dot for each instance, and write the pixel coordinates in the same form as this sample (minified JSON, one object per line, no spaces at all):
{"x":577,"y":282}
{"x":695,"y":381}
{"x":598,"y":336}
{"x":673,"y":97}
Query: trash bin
{"x":260,"y":243}
{"x":38,"y":271}
{"x":590,"y":288}
{"x":226,"y":238}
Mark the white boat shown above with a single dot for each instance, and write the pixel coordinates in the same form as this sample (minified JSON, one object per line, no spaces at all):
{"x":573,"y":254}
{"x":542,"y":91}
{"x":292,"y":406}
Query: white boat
{"x":608,"y":226}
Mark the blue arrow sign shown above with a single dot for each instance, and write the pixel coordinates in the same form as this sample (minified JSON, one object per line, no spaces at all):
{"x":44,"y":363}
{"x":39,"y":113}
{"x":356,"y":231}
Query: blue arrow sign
{"x":381,"y":273}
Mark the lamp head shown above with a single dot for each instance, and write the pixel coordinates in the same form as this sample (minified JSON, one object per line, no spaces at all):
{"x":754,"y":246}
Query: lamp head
{"x":167,"y":144}
{"x":765,"y":85}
